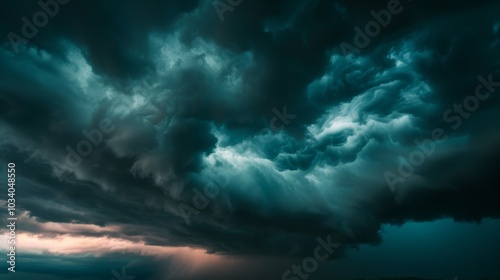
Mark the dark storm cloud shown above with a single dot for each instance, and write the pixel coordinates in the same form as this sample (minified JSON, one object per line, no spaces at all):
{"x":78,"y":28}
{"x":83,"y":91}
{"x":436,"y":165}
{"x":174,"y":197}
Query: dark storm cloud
{"x":196,"y":115}
{"x":116,"y":47}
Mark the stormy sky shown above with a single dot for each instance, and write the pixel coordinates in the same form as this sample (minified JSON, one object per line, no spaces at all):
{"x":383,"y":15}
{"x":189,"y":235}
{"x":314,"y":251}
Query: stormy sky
{"x":222,"y":139}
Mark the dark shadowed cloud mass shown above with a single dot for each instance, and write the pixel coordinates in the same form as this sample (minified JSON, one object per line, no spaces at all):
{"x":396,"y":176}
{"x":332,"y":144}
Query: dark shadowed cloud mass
{"x":161,"y":130}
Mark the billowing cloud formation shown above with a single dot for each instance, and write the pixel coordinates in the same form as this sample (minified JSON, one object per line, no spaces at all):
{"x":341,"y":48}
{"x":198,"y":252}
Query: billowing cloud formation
{"x":158,"y":123}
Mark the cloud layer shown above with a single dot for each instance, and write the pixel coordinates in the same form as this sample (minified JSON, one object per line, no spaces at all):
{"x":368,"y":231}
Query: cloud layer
{"x":191,"y":104}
